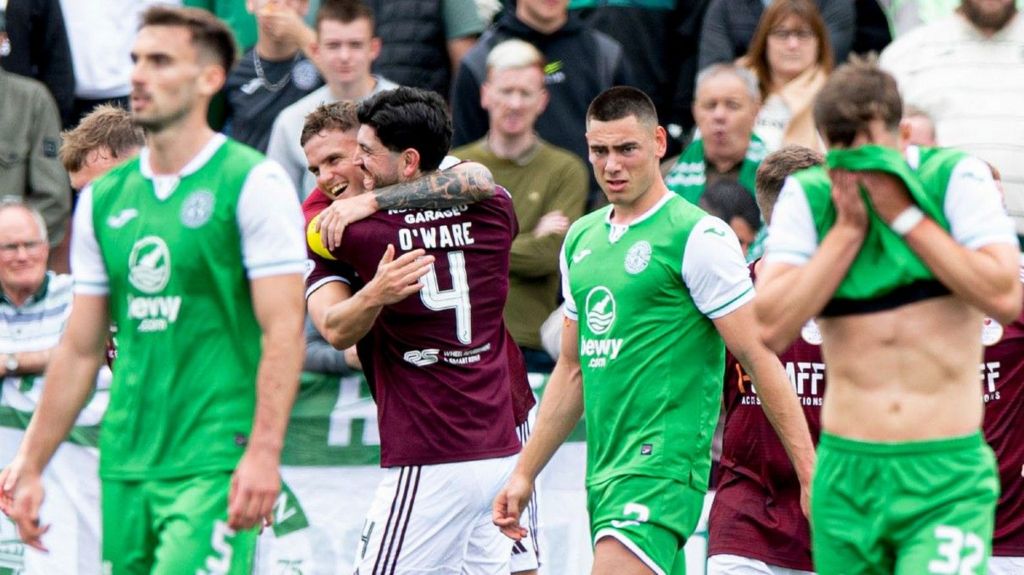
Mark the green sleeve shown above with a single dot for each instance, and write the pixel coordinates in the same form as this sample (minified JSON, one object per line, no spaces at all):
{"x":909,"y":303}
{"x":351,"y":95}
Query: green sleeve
{"x":461,"y":19}
{"x":234,"y":13}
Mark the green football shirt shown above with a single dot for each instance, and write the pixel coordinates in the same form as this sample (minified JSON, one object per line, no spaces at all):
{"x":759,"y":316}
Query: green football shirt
{"x":644,"y":296}
{"x":954,"y":189}
{"x":174,"y":254}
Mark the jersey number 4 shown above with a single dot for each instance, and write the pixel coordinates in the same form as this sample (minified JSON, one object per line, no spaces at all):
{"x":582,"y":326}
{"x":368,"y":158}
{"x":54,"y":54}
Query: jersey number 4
{"x":456,"y":298}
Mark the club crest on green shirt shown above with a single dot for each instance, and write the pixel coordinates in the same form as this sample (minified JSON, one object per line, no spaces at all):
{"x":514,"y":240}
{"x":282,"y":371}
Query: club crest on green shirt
{"x":197,"y":208}
{"x":638,"y":256}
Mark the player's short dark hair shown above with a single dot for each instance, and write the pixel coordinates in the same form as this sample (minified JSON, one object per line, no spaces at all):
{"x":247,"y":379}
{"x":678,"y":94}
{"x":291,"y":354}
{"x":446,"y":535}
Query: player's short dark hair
{"x":855,"y":94}
{"x":410,"y":118}
{"x":621,"y":102}
{"x":728,"y":199}
{"x":344,"y":11}
{"x":107,"y":127}
{"x":774,"y":170}
{"x":335,"y":116}
{"x":210,"y":35}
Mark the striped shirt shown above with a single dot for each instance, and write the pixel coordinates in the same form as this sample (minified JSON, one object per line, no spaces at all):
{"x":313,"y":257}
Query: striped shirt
{"x":39,"y":322}
{"x":36,"y":325}
{"x":971,"y":86}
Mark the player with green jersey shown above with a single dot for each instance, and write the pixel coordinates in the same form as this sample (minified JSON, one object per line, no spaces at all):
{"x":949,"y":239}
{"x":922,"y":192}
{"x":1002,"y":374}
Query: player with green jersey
{"x":899,"y":255}
{"x":653,"y":285}
{"x":195,"y":251}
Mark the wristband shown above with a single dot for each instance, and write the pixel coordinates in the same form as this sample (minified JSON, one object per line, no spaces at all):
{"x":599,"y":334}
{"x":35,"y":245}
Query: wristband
{"x":907,"y":220}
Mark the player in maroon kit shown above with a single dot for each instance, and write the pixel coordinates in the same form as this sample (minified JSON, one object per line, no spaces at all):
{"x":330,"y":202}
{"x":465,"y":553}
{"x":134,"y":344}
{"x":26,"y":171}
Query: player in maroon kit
{"x":441,"y":366}
{"x":1002,"y":380}
{"x":1002,"y":389}
{"x":756,"y":526}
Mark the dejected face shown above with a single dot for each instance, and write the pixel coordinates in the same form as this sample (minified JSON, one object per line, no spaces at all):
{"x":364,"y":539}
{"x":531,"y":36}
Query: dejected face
{"x":625,"y":155}
{"x":331,"y":157}
{"x":725,"y":112}
{"x":792,"y":48}
{"x":381,"y":167}
{"x":23,"y":253}
{"x":170,"y":79}
{"x":514,"y":98}
{"x":345,"y":50}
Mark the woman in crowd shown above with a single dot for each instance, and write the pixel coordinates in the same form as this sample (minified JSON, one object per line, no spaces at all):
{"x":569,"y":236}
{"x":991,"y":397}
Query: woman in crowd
{"x":791,"y":56}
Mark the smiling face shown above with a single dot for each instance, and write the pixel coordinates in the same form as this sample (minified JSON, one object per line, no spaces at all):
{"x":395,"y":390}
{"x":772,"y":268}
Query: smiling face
{"x":23,"y":253}
{"x":792,"y":48}
{"x":346,"y":50}
{"x":514,"y":98}
{"x":170,"y":79}
{"x":381,"y":167}
{"x":725,"y":112}
{"x":331,"y":157}
{"x":625,"y":154}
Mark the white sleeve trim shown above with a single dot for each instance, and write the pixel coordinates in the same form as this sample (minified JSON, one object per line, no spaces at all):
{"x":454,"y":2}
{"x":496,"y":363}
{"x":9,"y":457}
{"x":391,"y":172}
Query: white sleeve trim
{"x":974,"y":207}
{"x":713,"y":269}
{"x":87,"y":267}
{"x":324,"y":281}
{"x":792,"y":235}
{"x":270,"y":222}
{"x":570,"y":304}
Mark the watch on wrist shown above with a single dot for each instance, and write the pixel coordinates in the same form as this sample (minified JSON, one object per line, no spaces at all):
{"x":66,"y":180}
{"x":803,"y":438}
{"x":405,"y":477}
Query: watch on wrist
{"x":10,"y":364}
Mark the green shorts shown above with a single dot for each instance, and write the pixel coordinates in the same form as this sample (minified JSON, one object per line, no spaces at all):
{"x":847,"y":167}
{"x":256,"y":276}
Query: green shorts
{"x":651,"y":516}
{"x":903,"y":508}
{"x":173,"y":527}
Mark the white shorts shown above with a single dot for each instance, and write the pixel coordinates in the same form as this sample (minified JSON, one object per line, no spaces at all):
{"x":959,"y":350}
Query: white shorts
{"x":526,"y":552}
{"x":1005,"y":565}
{"x":737,"y":565}
{"x":436,"y":520}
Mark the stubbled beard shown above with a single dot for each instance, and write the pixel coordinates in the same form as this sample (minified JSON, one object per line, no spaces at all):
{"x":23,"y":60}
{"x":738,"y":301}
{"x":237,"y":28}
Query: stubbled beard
{"x":159,"y":124}
{"x":992,"y":21}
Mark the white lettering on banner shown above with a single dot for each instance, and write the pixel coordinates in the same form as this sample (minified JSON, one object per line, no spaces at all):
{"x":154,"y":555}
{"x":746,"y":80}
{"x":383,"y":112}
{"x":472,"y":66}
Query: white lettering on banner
{"x":281,"y":510}
{"x":440,"y":237}
{"x":349,"y":408}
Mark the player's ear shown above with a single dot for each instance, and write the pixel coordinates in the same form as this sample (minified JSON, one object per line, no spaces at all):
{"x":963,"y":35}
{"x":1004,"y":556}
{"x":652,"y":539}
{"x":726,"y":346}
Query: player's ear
{"x":211,"y":79}
{"x":409,"y":162}
{"x":660,"y":142}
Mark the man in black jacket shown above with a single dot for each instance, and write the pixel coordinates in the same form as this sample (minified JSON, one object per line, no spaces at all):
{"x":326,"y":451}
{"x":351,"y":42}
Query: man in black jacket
{"x":37,"y":48}
{"x":581,"y":63}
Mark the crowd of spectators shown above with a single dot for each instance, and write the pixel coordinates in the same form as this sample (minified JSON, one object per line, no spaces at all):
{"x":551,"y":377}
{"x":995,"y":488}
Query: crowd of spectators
{"x":732,"y":80}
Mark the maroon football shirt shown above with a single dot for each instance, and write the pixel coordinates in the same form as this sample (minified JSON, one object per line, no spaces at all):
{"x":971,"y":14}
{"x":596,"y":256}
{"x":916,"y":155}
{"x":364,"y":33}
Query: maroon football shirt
{"x":1002,"y":383}
{"x":756,"y":512}
{"x":441,"y":362}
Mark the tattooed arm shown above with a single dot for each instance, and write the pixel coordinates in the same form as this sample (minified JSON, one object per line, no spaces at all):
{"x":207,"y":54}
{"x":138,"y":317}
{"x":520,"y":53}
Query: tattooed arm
{"x":464,"y":183}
